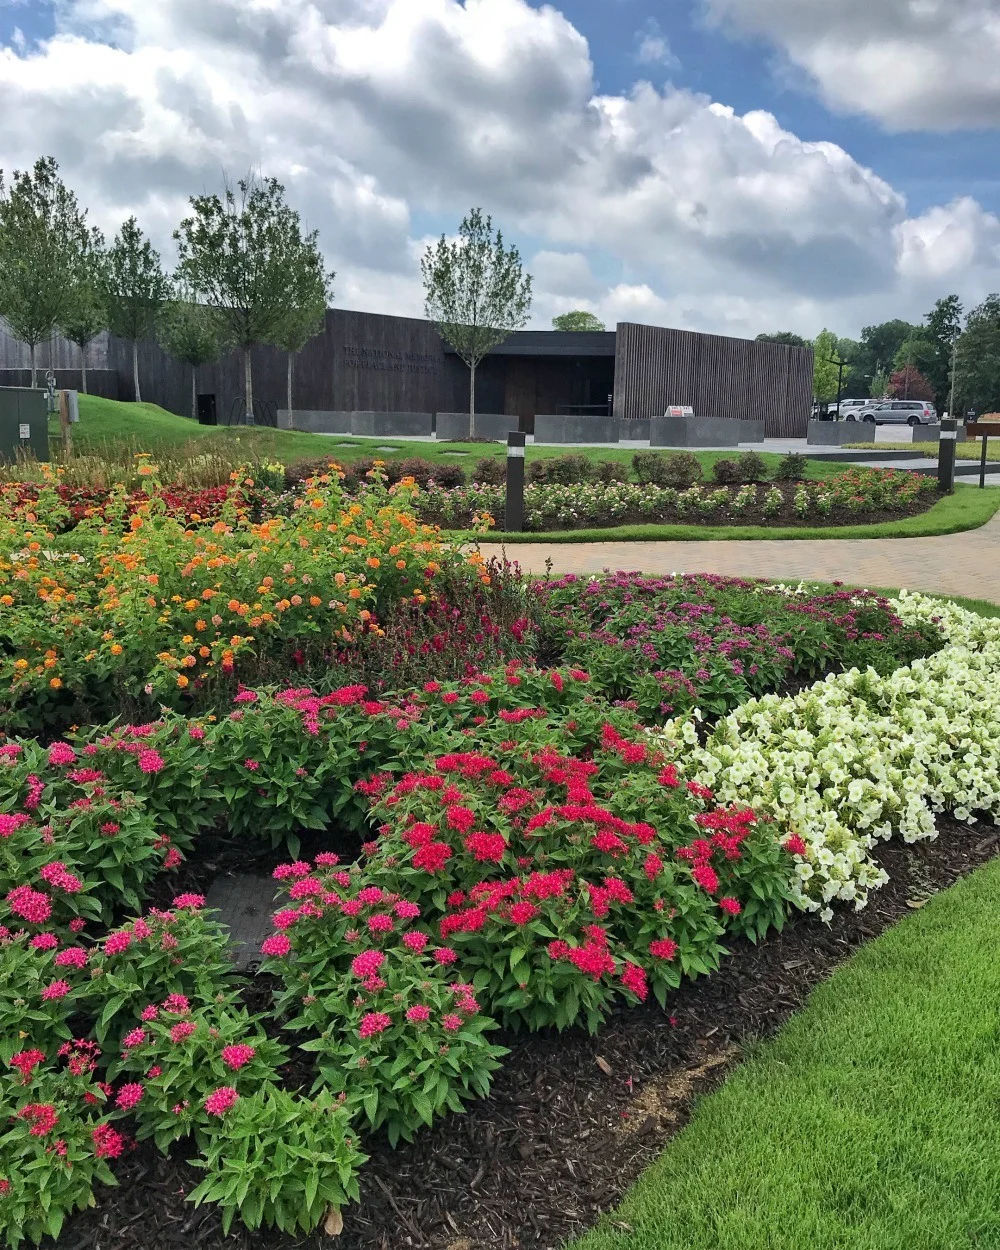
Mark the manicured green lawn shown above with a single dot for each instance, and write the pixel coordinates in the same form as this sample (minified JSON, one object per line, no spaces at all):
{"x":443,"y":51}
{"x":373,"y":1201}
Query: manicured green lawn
{"x":869,"y":1123}
{"x":967,"y":509}
{"x":107,"y":426}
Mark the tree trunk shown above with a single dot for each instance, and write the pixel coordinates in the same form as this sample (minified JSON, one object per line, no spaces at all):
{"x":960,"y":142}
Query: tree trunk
{"x":194,"y":392}
{"x":291,"y":424}
{"x":472,"y":401}
{"x":34,"y":368}
{"x":248,"y":384}
{"x":135,"y":370}
{"x":83,"y":366}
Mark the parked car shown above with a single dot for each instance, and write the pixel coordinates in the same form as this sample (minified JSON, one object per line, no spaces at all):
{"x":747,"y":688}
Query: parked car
{"x":897,"y":412}
{"x":848,"y":405}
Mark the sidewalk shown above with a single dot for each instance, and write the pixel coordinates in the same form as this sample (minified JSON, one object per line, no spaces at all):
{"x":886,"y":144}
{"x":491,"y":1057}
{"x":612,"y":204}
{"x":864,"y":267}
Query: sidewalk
{"x":952,"y":564}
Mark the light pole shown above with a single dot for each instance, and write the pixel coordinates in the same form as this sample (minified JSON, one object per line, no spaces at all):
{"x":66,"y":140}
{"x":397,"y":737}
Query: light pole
{"x":841,"y":366}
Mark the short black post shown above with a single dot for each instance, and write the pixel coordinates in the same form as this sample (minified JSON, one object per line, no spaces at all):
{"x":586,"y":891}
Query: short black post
{"x":982,"y":463}
{"x":513,"y":519}
{"x":946,"y":456}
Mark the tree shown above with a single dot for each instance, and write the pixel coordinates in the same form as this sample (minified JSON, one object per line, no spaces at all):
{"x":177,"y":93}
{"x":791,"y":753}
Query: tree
{"x":910,"y":383}
{"x":977,"y":359}
{"x":307,"y":318}
{"x":882,"y":342}
{"x":476,"y":293}
{"x":86,"y":315}
{"x":880,"y":384}
{"x":248,"y":257}
{"x":944,"y":325}
{"x":134,"y":287}
{"x":43,"y":233}
{"x":577,"y":321}
{"x":788,"y":337}
{"x":921,"y":353}
{"x":826,"y":372}
{"x":190,"y":332}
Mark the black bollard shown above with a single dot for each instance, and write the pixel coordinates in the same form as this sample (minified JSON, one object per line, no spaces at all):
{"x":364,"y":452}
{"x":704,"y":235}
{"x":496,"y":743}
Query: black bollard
{"x":946,"y":456}
{"x":513,"y":520}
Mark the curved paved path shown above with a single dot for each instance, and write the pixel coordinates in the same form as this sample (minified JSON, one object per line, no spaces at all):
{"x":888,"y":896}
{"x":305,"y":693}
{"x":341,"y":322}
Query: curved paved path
{"x":952,"y":564}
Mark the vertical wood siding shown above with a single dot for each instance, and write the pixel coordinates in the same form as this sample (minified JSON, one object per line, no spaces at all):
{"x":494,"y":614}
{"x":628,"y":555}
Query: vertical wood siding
{"x":715,"y":375}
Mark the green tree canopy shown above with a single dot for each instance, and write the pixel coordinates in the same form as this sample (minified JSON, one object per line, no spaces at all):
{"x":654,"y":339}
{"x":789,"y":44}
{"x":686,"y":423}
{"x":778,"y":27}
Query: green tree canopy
{"x":191,"y":332}
{"x":476,"y":292}
{"x":86,"y":315}
{"x":977,"y":369}
{"x":788,"y":337}
{"x":944,"y":325}
{"x":43,"y":237}
{"x":826,"y":371}
{"x":306,"y":318}
{"x":134,"y":288}
{"x":248,"y":257}
{"x":578,"y":321}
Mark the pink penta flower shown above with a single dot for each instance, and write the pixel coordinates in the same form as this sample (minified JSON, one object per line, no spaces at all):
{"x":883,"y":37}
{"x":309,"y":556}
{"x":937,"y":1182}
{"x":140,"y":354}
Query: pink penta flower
{"x":367,"y":963}
{"x":278,"y":944}
{"x":71,"y":957}
{"x":10,"y":823}
{"x":108,"y":1142}
{"x":221,"y":1100}
{"x":663,"y":948}
{"x":189,"y":902}
{"x":634,"y":979}
{"x":149,"y":1013}
{"x":26,"y":1061}
{"x":117,"y":943}
{"x":522,"y":913}
{"x":176,"y":1005}
{"x":61,"y":753}
{"x":451,"y":1022}
{"x":730,"y":905}
{"x":151,"y":761}
{"x":129,"y":1096}
{"x":796,"y":845}
{"x":55,"y":990}
{"x":42,"y":1117}
{"x":236,"y":1057}
{"x":418,"y":1014}
{"x":374,"y":1022}
{"x":29,"y":904}
{"x":44,"y":942}
{"x":415,"y":941}
{"x":131,"y":1040}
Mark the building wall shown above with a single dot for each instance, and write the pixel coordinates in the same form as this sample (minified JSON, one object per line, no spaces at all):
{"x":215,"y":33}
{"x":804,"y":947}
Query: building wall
{"x":718,"y":376}
{"x":56,"y":352}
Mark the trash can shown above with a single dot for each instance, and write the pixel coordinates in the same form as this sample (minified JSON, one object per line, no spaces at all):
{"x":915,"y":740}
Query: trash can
{"x":206,"y":410}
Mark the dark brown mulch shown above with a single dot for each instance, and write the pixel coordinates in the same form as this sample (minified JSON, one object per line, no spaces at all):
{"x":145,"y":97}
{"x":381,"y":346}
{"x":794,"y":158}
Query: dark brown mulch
{"x":572,"y":1120}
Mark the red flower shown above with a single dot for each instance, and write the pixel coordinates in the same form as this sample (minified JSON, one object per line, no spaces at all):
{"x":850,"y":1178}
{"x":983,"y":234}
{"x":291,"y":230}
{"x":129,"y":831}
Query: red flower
{"x":460,"y":818}
{"x":367,"y":963}
{"x":236,"y":1057}
{"x":374,"y":1022}
{"x":108,"y":1142}
{"x":278,"y":944}
{"x":523,"y":913}
{"x":129,"y":1096}
{"x":663,"y":948}
{"x":432,"y":857}
{"x":634,"y":979}
{"x":418,"y":1014}
{"x":42,"y":1117}
{"x":189,"y":902}
{"x":730,"y":905}
{"x":486,"y":847}
{"x":55,"y":990}
{"x":26,"y":1061}
{"x":796,"y":845}
{"x":219,"y":1102}
{"x":706,"y":876}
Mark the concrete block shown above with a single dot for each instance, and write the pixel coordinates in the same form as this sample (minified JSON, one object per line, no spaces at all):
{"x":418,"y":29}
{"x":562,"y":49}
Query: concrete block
{"x":633,"y":430}
{"x":703,"y":432}
{"x":932,"y":433}
{"x":837,"y":433}
{"x":565,"y":429}
{"x":314,"y":422}
{"x":392,"y":424}
{"x":455,"y":425}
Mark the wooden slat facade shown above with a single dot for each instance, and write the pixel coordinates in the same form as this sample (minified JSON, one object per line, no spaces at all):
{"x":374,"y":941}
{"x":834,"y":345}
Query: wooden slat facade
{"x":717,"y":376}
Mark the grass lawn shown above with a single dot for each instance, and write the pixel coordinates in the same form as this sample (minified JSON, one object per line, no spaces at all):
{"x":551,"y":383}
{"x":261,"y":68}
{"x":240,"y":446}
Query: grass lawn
{"x":972,"y":449}
{"x":869,"y":1123}
{"x":107,"y":425}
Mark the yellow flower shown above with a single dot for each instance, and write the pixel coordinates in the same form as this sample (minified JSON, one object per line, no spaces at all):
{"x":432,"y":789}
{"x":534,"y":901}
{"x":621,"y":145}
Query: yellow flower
{"x":182,"y":681}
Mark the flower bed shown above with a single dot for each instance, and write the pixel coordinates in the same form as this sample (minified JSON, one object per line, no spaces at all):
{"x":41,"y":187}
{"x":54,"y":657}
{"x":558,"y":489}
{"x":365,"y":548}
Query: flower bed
{"x":533,"y":855}
{"x":856,"y":495}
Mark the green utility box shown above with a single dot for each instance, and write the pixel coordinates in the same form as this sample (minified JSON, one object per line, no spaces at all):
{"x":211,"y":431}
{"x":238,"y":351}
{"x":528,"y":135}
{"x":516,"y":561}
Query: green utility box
{"x":24,"y":423}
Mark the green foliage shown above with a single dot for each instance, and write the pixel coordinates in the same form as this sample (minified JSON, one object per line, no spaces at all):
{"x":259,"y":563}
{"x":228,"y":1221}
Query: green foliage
{"x":977,"y":370}
{"x":44,"y":244}
{"x":476,"y":292}
{"x":826,"y":372}
{"x":577,"y":321}
{"x":788,"y":337}
{"x":727,"y":472}
{"x":944,"y":326}
{"x":133,"y":288}
{"x":678,"y":468}
{"x":282,"y":1161}
{"x":791,"y":467}
{"x":567,"y":470}
{"x":192,"y":333}
{"x":752,"y":467}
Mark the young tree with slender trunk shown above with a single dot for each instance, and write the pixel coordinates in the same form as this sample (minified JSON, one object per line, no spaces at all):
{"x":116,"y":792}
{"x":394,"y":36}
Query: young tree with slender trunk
{"x":193,"y":333}
{"x":246,"y":254}
{"x":43,"y":234}
{"x":476,"y":292}
{"x":133,"y":287}
{"x":86,"y":316}
{"x":306,"y":321}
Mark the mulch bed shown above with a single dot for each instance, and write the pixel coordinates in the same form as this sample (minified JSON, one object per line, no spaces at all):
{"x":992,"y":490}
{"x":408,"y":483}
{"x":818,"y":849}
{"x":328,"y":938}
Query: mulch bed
{"x":572,"y":1120}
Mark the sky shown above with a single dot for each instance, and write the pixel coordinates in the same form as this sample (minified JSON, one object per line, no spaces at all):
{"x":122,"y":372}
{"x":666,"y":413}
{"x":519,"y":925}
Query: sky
{"x":733,"y":166}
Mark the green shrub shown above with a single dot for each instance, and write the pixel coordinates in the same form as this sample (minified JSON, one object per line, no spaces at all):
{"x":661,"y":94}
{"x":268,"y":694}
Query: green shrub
{"x":449,"y":475}
{"x":752,"y":467}
{"x":678,"y":468}
{"x":566,"y":470}
{"x":727,"y":472}
{"x":791,"y":468}
{"x":491,"y":471}
{"x":611,"y":471}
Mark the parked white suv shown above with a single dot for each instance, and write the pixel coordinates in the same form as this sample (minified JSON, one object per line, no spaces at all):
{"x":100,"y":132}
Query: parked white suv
{"x":897,"y":412}
{"x":848,"y":405}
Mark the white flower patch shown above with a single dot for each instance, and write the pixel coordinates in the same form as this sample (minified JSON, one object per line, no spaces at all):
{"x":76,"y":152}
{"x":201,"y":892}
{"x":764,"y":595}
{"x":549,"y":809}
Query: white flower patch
{"x":858,"y":758}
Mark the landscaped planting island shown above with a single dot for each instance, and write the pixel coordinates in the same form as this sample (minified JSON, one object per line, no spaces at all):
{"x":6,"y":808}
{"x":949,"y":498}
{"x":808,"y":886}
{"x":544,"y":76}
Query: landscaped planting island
{"x":514,"y":828}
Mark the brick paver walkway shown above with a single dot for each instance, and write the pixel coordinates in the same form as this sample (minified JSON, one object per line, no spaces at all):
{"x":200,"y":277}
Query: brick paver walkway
{"x":952,"y":564}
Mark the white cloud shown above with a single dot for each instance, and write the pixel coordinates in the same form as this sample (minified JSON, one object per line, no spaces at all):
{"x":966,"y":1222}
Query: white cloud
{"x":654,"y":47}
{"x":387,"y":119}
{"x":911,"y":64}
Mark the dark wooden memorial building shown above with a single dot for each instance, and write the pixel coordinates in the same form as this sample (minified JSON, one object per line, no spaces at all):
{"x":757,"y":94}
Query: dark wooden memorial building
{"x":368,"y":363}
